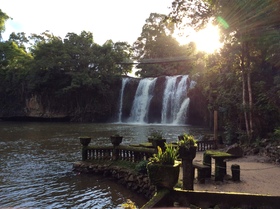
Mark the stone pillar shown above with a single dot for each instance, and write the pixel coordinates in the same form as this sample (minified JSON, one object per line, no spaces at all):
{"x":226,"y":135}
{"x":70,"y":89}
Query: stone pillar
{"x":235,"y":169}
{"x":84,"y":140}
{"x":116,"y":153}
{"x":84,"y":153}
{"x":188,"y":174}
{"x":187,"y":154}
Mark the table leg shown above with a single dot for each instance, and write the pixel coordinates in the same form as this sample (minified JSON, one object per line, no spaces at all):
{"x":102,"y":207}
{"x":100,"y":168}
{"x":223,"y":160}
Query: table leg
{"x":207,"y":161}
{"x":220,"y":169}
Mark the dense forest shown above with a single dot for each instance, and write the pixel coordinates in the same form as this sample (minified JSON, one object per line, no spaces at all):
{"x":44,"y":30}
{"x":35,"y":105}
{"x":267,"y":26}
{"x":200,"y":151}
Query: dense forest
{"x":76,"y":79}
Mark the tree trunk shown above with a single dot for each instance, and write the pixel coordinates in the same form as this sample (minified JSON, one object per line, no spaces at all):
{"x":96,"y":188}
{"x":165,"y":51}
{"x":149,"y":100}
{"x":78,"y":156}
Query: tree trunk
{"x":244,"y":98}
{"x":244,"y":103}
{"x":250,"y":106}
{"x":249,"y":89}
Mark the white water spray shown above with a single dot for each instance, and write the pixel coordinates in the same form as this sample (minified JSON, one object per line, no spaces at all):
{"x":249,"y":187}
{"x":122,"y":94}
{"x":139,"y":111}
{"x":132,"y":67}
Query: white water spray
{"x":124,"y":82}
{"x":142,"y":99}
{"x":175,"y":104}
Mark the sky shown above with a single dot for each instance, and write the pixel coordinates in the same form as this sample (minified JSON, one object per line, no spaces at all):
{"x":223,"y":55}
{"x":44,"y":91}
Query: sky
{"x":118,"y":20}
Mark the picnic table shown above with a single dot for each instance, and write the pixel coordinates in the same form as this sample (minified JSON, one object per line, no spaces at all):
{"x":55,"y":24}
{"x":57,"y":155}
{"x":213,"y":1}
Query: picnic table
{"x":220,"y":163}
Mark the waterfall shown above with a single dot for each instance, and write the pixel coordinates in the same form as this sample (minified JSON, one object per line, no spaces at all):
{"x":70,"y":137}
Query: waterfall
{"x":181,"y":115}
{"x":124,"y":81}
{"x":175,"y":103}
{"x":142,"y":99}
{"x":154,"y":100}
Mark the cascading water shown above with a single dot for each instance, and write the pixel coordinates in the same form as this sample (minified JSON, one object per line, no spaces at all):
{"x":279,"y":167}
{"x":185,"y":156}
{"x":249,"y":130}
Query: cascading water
{"x":156,"y":100}
{"x":175,"y":103}
{"x":124,"y":81}
{"x":181,"y":115}
{"x":142,"y":99}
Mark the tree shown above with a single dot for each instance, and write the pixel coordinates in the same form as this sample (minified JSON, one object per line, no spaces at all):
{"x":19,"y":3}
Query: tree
{"x":14,"y":66}
{"x":20,"y":39}
{"x":250,"y":31}
{"x":158,"y":51}
{"x":3,"y":18}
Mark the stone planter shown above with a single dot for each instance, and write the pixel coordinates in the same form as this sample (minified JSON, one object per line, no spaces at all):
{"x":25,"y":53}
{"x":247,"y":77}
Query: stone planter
{"x":159,"y":142}
{"x":187,"y":153}
{"x":150,"y":139}
{"x":116,"y":140}
{"x":163,"y":176}
{"x":85,"y":140}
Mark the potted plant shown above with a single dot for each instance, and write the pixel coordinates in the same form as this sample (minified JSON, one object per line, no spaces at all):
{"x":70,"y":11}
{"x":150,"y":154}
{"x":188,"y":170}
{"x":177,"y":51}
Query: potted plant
{"x":187,"y":152}
{"x":157,"y":139}
{"x":85,"y":140}
{"x":116,"y":139}
{"x":163,"y":169}
{"x":187,"y":146}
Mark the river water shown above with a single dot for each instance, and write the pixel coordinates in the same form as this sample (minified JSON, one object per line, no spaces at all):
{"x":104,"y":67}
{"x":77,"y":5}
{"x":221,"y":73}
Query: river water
{"x":36,"y":164}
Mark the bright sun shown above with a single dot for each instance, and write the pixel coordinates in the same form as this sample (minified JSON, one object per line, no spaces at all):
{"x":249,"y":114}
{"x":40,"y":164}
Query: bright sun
{"x":206,"y":40}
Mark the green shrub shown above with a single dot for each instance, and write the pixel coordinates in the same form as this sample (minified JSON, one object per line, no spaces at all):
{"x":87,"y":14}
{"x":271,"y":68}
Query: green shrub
{"x":168,"y":156}
{"x":141,"y":167}
{"x":156,"y":135}
{"x":187,"y":141}
{"x":276,"y":132}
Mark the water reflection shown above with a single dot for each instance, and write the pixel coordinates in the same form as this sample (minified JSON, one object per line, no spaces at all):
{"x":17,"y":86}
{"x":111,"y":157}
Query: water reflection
{"x":36,"y":164}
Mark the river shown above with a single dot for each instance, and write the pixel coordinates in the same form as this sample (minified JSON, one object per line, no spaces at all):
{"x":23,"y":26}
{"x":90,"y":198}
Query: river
{"x":36,"y":164}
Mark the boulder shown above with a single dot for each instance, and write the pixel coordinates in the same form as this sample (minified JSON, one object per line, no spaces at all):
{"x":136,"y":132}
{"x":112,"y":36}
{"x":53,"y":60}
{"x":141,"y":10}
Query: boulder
{"x":235,"y":150}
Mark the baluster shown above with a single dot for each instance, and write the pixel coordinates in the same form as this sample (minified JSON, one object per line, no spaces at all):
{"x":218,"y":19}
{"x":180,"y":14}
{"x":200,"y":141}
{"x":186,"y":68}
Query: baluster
{"x":95,"y":154}
{"x":89,"y":154}
{"x":130,"y":156}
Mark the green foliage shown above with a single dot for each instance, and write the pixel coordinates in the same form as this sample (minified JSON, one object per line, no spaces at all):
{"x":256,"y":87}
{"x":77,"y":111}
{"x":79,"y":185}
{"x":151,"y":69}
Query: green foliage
{"x":69,"y":70}
{"x":187,"y":141}
{"x":239,"y":80}
{"x":20,"y":39}
{"x":168,"y":156}
{"x":276,"y":132}
{"x":3,"y":18}
{"x":129,"y":205}
{"x":141,"y":167}
{"x":156,"y":135}
{"x":157,"y":45}
{"x":14,"y":66}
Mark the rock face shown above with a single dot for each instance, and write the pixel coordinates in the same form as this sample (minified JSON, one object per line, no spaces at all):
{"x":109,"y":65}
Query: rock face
{"x":136,"y":182}
{"x":34,"y":108}
{"x":235,"y":150}
{"x":86,"y":105}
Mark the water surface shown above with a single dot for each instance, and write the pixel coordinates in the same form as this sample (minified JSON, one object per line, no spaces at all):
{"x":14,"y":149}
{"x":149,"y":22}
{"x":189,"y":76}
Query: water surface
{"x":36,"y":164}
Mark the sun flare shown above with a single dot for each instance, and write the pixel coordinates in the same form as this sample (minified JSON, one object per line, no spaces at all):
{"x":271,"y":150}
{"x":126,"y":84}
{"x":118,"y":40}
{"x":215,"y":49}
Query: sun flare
{"x":207,"y":39}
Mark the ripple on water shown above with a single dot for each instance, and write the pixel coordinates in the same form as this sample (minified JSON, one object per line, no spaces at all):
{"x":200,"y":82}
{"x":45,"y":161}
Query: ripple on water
{"x":36,"y":164}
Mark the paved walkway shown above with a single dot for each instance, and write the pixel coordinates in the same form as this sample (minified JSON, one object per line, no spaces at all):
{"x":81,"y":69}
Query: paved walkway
{"x":256,"y":177}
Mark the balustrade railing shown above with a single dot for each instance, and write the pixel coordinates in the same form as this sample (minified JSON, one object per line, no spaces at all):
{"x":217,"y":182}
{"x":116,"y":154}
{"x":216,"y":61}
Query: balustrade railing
{"x":130,"y":153}
{"x":121,"y":152}
{"x":206,"y":145}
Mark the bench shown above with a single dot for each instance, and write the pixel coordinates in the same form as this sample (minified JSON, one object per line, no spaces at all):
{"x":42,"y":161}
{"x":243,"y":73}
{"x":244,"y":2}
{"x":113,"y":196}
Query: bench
{"x":201,"y":172}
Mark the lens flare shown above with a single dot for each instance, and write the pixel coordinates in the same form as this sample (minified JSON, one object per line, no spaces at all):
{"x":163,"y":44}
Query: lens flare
{"x":223,"y":22}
